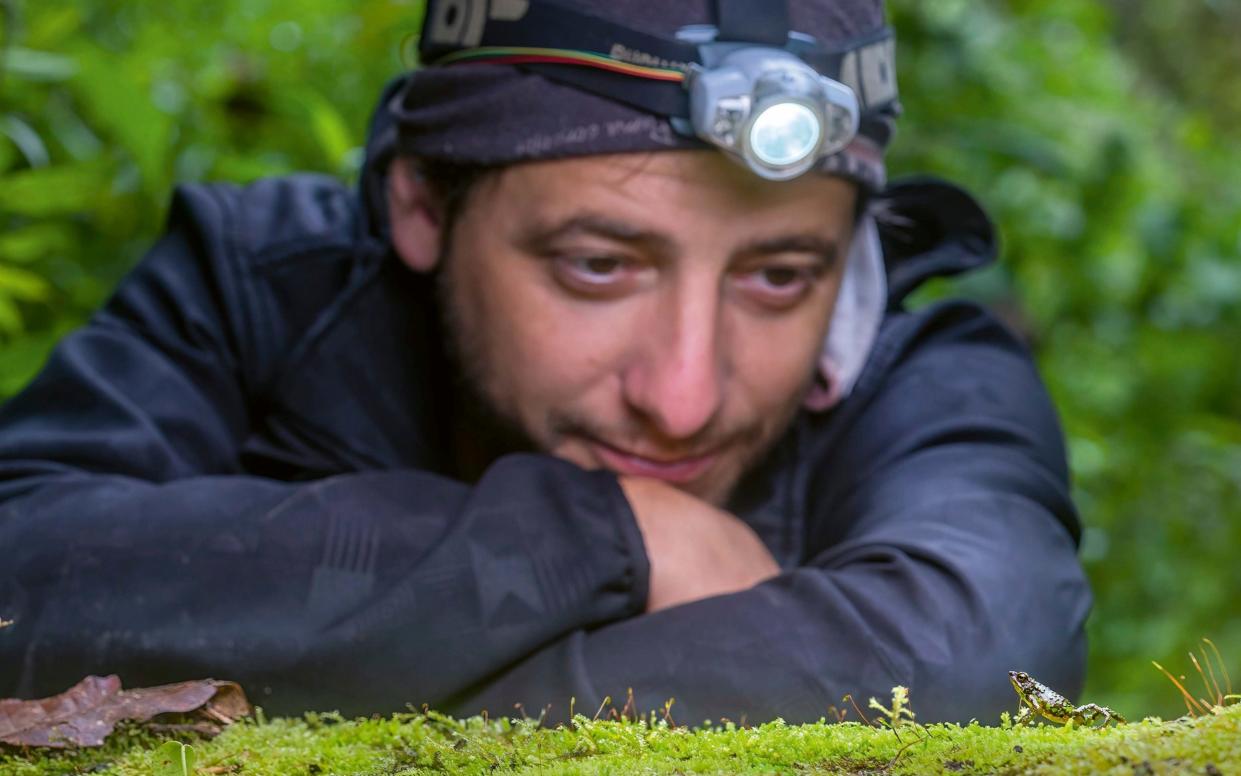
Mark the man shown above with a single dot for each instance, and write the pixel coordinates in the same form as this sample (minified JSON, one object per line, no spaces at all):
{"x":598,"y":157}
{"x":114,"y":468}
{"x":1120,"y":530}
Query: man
{"x":603,"y":381}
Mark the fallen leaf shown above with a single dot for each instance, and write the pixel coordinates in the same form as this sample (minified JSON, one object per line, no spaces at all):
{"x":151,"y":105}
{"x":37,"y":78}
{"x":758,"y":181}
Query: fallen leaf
{"x":86,"y":714}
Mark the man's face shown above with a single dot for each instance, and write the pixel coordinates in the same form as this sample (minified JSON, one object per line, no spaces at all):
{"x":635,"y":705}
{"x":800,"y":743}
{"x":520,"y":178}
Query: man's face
{"x":659,"y":315}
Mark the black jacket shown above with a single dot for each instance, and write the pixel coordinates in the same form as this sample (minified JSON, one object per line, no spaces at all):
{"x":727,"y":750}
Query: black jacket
{"x":236,"y":469}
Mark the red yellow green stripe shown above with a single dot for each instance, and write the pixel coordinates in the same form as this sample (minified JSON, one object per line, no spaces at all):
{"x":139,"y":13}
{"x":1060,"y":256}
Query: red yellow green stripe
{"x":530,"y":55}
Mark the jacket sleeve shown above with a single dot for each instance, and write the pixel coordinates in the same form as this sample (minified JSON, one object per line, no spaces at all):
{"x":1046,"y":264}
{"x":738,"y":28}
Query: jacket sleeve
{"x":940,"y":553}
{"x":131,"y":542}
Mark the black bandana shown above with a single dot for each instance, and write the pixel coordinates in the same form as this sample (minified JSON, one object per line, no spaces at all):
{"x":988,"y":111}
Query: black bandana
{"x":493,"y":114}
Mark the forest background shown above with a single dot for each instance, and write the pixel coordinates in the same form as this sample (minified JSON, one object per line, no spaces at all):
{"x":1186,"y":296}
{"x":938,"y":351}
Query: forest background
{"x":1101,"y":135}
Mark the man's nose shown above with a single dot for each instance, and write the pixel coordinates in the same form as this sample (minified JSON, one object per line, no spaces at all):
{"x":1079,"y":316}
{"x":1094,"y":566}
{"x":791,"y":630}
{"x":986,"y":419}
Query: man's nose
{"x":677,"y":379}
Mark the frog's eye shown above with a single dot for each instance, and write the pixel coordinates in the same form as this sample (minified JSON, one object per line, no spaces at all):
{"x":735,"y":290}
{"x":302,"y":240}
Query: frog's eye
{"x":1023,"y":676}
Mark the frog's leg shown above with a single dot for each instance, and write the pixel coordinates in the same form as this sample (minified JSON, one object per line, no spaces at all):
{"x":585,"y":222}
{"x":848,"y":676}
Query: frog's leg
{"x":1024,"y":713}
{"x":1084,"y":714}
{"x":1089,"y":712}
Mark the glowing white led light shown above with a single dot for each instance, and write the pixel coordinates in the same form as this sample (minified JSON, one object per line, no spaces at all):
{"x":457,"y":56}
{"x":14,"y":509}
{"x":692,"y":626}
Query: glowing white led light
{"x":785,"y":133}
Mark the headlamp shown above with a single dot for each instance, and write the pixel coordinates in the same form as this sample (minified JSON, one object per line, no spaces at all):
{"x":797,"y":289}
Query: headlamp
{"x":774,"y":99}
{"x":770,"y":109}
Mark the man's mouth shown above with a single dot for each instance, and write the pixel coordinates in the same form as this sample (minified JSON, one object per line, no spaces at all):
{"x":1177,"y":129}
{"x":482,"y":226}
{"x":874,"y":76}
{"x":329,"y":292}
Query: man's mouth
{"x":677,"y":471}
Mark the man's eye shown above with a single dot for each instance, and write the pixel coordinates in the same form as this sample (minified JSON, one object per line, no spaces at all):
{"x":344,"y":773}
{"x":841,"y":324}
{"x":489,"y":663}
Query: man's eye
{"x":782,"y":277}
{"x":598,"y":268}
{"x":594,"y":275}
{"x":778,"y":286}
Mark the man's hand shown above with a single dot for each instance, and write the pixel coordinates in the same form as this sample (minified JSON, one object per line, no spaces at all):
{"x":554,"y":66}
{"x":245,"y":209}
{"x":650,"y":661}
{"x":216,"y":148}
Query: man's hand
{"x":696,"y":550}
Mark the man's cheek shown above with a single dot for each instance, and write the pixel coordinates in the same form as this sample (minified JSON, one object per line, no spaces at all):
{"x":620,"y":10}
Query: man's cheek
{"x":777,"y":377}
{"x":562,"y":366}
{"x":553,"y":400}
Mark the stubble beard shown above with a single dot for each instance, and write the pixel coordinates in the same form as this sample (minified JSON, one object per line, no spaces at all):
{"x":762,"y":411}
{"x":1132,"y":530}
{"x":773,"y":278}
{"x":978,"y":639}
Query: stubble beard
{"x":487,"y":430}
{"x":482,"y":431}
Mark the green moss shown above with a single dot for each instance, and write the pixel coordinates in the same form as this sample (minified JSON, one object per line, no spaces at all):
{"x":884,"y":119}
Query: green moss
{"x":415,"y":744}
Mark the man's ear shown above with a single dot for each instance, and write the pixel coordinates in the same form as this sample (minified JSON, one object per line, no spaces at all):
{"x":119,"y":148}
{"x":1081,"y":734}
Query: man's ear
{"x":414,"y":217}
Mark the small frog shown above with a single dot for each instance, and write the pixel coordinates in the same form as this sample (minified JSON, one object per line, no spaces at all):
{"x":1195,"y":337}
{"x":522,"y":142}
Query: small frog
{"x":1041,"y":699}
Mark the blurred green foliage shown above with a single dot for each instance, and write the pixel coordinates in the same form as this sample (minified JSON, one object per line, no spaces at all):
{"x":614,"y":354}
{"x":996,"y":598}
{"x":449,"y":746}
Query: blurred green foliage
{"x":1116,"y":193}
{"x":1097,"y":133}
{"x":104,"y":105}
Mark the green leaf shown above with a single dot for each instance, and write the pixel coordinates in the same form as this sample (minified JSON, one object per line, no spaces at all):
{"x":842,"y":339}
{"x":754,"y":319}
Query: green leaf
{"x":50,"y":191}
{"x":174,"y":759}
{"x":26,"y":139}
{"x":117,"y":97}
{"x":31,"y":65}
{"x":37,"y":241}
{"x":10,"y":317}
{"x":8,"y":155}
{"x":23,"y":284}
{"x":328,"y":126}
{"x":53,"y":26}
{"x":23,"y":357}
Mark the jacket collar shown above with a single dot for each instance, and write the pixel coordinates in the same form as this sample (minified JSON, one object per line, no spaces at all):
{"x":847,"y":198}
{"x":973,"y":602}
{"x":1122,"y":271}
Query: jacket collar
{"x":930,"y":228}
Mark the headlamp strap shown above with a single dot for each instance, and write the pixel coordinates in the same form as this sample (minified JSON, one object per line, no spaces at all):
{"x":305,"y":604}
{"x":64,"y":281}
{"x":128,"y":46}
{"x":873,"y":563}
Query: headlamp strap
{"x":481,"y":30}
{"x":454,"y":25}
{"x":753,"y":21}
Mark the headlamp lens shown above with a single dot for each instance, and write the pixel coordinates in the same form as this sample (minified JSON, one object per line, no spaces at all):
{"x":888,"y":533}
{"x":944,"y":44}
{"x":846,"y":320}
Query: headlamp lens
{"x":785,"y":133}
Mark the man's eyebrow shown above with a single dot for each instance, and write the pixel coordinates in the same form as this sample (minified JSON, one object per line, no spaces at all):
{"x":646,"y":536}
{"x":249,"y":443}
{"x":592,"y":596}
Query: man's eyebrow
{"x":826,"y":249}
{"x":539,"y":234}
{"x":598,"y":225}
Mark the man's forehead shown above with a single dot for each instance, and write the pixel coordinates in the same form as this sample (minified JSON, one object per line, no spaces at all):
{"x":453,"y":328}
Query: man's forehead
{"x":641,"y":167}
{"x":674,"y":183}
{"x":665,"y":207}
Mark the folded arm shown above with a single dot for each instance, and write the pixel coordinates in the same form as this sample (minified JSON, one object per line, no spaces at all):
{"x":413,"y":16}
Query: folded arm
{"x":133,"y":542}
{"x":940,"y":554}
{"x":939,"y":547}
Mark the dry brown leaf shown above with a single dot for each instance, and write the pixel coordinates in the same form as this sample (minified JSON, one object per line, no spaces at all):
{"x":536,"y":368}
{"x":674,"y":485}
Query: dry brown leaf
{"x":86,"y":714}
